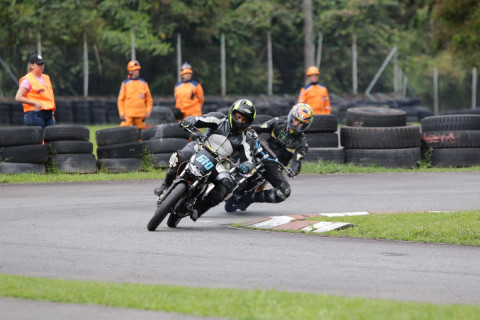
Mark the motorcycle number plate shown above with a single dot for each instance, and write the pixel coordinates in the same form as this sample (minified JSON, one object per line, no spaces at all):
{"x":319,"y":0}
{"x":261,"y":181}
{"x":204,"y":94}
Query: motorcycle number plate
{"x":205,"y":160}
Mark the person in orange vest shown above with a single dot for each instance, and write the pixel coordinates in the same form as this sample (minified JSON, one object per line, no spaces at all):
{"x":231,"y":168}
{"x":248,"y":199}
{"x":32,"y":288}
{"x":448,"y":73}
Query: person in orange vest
{"x":315,"y":94}
{"x":188,"y":94}
{"x":36,"y":93}
{"x":134,"y":100}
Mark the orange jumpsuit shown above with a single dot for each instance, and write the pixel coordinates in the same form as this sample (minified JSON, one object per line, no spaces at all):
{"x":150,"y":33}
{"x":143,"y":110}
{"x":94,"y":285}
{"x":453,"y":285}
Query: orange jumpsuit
{"x":134,"y":101}
{"x":189,"y":98}
{"x":316,"y":96}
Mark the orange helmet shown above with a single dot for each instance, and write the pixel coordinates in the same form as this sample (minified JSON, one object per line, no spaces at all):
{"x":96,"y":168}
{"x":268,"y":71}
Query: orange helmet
{"x":186,"y":68}
{"x":133,"y":65}
{"x":312,"y":70}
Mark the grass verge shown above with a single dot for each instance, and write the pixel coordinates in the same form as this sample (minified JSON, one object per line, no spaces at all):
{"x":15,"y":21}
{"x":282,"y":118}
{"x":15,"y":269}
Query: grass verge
{"x":459,"y":227}
{"x":225,"y":303}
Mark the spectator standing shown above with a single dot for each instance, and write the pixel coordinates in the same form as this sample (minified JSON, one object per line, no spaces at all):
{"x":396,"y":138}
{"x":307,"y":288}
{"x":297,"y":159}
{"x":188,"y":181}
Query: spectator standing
{"x":36,"y":93}
{"x":134,"y":100}
{"x":188,"y":94}
{"x":315,"y":94}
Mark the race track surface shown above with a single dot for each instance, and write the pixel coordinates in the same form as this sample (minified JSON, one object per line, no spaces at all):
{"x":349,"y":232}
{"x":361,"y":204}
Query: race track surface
{"x":97,"y":231}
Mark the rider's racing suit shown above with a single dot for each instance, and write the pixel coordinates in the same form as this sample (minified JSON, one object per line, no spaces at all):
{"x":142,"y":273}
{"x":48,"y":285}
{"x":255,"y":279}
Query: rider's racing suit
{"x":286,"y":146}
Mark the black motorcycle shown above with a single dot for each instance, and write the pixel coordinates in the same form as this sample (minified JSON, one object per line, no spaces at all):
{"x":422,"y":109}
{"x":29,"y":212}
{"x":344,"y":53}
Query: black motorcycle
{"x":193,"y":181}
{"x":256,"y":180}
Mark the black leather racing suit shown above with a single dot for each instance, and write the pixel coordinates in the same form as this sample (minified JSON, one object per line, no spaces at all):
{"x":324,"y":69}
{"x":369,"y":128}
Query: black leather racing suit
{"x":224,"y":184}
{"x":287,"y":146}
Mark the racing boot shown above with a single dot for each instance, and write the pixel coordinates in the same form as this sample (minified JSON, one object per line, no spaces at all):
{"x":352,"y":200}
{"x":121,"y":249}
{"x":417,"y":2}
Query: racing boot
{"x":169,"y":177}
{"x":245,"y":201}
{"x":201,"y":207}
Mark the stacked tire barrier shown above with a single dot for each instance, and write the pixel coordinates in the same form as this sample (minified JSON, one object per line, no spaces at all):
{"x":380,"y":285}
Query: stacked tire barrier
{"x":322,"y":139}
{"x":160,"y":115}
{"x":70,"y":149}
{"x":162,"y":140}
{"x":119,"y":149}
{"x":22,"y":151}
{"x":451,"y":140}
{"x":380,"y":136}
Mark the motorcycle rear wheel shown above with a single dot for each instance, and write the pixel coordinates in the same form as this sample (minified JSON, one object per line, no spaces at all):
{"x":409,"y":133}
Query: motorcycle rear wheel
{"x":162,"y":211}
{"x":173,"y":220}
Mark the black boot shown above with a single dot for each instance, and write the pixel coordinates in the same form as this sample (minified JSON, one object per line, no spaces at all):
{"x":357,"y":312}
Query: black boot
{"x":169,"y":177}
{"x":201,"y":207}
{"x":245,"y":201}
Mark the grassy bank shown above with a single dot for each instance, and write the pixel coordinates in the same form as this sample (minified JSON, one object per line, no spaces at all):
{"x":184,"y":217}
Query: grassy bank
{"x":226,"y":303}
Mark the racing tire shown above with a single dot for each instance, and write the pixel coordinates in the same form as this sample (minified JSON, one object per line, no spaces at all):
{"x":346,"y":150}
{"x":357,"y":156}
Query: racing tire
{"x":375,"y":117}
{"x":451,"y":139}
{"x":335,"y":155}
{"x":261,"y":118}
{"x":455,"y":157}
{"x":160,"y":160}
{"x":19,"y":136}
{"x":116,"y":135}
{"x":66,"y":132}
{"x":322,"y":139}
{"x":167,"y":130}
{"x":380,"y":138}
{"x":20,"y":168}
{"x":173,"y":220}
{"x":120,"y":165}
{"x":69,"y":146}
{"x":131,"y":149}
{"x":324,"y":123}
{"x":164,"y":145}
{"x":388,"y":158}
{"x":75,"y":163}
{"x":170,"y":200}
{"x":35,"y":153}
{"x":451,"y":122}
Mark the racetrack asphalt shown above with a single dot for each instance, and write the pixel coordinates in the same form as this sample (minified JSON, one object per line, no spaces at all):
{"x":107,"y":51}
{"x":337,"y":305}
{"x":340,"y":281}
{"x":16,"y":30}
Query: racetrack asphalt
{"x":97,"y":231}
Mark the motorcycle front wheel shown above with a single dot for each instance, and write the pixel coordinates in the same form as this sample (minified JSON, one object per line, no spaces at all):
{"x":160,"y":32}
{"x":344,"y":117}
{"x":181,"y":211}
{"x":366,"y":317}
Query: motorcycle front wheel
{"x":162,"y":211}
{"x":173,"y":220}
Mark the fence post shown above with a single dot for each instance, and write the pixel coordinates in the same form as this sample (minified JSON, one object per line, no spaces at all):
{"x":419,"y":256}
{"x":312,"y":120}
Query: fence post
{"x":179,"y":56}
{"x":474,"y":88}
{"x":85,"y":65}
{"x":435,"y":91}
{"x":270,"y":63}
{"x":319,"y":50}
{"x":354,"y":64}
{"x":39,"y":43}
{"x":379,"y":72}
{"x":133,"y":55}
{"x":223,"y":76}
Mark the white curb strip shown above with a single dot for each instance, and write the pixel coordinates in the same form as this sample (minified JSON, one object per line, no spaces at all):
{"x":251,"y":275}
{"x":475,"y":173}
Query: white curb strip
{"x":273,"y":222}
{"x":327,"y":226}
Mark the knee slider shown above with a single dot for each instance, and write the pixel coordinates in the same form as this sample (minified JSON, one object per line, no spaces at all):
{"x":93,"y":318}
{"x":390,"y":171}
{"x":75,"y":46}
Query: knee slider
{"x":281,"y":195}
{"x":173,"y":160}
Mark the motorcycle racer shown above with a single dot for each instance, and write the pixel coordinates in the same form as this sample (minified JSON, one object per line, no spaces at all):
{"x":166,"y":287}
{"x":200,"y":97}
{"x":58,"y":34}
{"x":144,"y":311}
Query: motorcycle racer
{"x":232,"y":127}
{"x":288,"y":142}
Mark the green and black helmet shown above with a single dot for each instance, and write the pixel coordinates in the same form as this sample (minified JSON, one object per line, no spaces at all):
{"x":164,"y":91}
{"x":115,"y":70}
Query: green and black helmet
{"x":247,"y":109}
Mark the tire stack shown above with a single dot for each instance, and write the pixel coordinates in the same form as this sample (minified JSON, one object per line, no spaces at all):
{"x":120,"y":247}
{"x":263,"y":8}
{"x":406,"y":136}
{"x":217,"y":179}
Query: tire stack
{"x":159,"y":115}
{"x":119,"y":149}
{"x":162,"y":140}
{"x":22,"y":151}
{"x":451,"y":140}
{"x":70,"y":149}
{"x":380,"y":136}
{"x":322,"y":139}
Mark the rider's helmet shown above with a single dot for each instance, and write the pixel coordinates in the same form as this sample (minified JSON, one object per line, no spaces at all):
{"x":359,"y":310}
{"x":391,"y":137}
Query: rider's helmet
{"x":244,"y":107}
{"x":133,"y":65}
{"x":312,"y":70}
{"x":186,"y":68}
{"x":303,"y":113}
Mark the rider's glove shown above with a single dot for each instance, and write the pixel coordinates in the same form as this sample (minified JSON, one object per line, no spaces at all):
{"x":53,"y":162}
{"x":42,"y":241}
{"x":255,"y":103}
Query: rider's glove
{"x":188,"y":122}
{"x":246,"y":167}
{"x":295,"y":169}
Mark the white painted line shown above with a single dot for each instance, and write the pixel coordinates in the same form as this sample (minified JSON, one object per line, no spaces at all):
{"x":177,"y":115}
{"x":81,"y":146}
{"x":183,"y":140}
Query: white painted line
{"x":343,"y":214}
{"x":273,"y":222}
{"x":324,"y":226}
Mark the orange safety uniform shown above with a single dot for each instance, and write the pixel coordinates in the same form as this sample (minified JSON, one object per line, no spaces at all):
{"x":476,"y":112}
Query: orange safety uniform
{"x":316,"y":96}
{"x":134,"y":101}
{"x":189,"y":98}
{"x":42,"y":93}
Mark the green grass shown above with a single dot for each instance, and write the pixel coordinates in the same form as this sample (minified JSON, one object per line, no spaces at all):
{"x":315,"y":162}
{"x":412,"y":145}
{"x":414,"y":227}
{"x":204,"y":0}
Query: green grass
{"x":459,"y":227}
{"x":226,"y":303}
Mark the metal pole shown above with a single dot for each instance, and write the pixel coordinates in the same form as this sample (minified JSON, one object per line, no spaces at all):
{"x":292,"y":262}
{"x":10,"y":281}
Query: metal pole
{"x":7,"y":68}
{"x":133,"y":55}
{"x":179,"y":55}
{"x":308,"y":30}
{"x":85,"y":66}
{"x":354,"y":64}
{"x":474,"y":88}
{"x":379,"y":72}
{"x":405,"y":86}
{"x":39,"y":43}
{"x":395,"y":74}
{"x":270,"y":63}
{"x":223,"y":73}
{"x":435,"y":91}
{"x":319,"y":50}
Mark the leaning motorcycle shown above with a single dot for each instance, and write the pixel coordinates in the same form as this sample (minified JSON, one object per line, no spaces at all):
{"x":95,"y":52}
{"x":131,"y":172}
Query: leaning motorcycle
{"x":256,"y":180}
{"x":193,"y":181}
